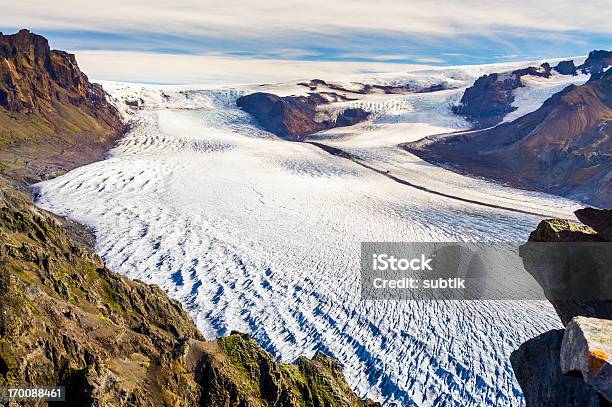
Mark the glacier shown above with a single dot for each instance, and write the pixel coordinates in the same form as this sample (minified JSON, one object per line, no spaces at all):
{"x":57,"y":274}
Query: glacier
{"x":261,"y":235}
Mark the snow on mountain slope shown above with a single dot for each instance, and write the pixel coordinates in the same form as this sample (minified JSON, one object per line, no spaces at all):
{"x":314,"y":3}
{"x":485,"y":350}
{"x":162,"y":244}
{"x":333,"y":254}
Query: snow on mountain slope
{"x":262,"y":235}
{"x":529,"y":98}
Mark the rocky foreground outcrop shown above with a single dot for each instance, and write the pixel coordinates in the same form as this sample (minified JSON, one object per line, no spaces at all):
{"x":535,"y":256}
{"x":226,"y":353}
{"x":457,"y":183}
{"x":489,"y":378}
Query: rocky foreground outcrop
{"x":566,"y":259}
{"x":65,"y":319}
{"x":571,"y":367}
{"x":587,"y":349}
{"x":52,"y":119}
{"x":562,"y":148}
{"x":293,"y":117}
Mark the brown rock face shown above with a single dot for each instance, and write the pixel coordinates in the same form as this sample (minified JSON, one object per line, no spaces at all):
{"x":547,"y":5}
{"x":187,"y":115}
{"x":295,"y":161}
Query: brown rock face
{"x":571,"y":367}
{"x":562,"y":148}
{"x":490,"y":98}
{"x":52,"y":118}
{"x":566,"y":68}
{"x":293,"y":117}
{"x":65,"y":319}
{"x":587,"y":349}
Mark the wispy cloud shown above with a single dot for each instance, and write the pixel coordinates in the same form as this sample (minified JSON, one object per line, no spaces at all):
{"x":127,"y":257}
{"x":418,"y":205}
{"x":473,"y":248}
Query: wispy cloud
{"x":211,"y":69}
{"x":389,"y":31}
{"x":262,"y":17}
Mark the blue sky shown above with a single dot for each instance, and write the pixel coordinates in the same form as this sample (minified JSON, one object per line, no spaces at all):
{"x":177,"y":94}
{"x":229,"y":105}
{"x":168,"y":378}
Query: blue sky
{"x":348,"y":46}
{"x":392,"y":32}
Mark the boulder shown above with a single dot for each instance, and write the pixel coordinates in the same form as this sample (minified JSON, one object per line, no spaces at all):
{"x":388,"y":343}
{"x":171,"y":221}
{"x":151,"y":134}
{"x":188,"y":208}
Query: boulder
{"x":598,"y":219}
{"x":587,"y":349}
{"x":562,"y":230}
{"x":538,"y":371}
{"x":574,"y":277}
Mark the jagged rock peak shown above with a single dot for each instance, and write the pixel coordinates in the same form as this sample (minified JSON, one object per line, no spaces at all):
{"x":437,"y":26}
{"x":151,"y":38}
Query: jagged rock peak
{"x":51,"y":116}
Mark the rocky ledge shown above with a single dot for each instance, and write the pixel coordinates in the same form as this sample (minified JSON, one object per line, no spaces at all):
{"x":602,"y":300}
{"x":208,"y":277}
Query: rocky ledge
{"x":571,"y":367}
{"x":293,"y":117}
{"x":65,"y":319}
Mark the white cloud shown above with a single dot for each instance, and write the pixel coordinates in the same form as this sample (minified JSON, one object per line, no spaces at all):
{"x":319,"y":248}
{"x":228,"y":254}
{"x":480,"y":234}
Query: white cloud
{"x":213,"y":69}
{"x":240,"y":18}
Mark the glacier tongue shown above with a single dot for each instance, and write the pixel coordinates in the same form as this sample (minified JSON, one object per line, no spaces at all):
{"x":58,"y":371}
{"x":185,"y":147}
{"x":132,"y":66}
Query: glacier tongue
{"x":262,"y":235}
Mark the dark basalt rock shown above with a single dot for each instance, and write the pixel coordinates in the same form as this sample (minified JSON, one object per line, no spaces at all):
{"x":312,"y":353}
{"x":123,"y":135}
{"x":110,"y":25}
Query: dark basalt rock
{"x":490,"y":98}
{"x":596,"y":62}
{"x":571,"y":276}
{"x":537,"y":368}
{"x":566,"y":68}
{"x":541,"y":71}
{"x":293,"y":117}
{"x":599,"y":219}
{"x":350,"y":117}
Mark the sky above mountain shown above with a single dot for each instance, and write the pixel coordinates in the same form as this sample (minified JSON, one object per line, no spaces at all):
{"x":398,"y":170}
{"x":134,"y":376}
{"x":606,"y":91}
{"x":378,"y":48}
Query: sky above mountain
{"x":271,"y":39}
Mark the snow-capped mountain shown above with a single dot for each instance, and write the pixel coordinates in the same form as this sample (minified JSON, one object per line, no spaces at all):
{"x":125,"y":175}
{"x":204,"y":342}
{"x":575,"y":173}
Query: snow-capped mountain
{"x":255,"y":233}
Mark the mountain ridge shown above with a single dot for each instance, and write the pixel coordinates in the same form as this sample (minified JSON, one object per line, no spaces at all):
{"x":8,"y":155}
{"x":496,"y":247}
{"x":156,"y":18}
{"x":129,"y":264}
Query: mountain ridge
{"x":52,"y":118}
{"x":65,"y":318}
{"x":561,"y":148}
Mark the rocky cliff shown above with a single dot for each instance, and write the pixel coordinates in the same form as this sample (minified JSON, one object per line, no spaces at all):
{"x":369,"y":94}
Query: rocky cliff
{"x":52,"y":119}
{"x":65,"y":319}
{"x":597,"y":62}
{"x":292,"y":117}
{"x":490,"y":98}
{"x":571,"y":367}
{"x":562,"y":148}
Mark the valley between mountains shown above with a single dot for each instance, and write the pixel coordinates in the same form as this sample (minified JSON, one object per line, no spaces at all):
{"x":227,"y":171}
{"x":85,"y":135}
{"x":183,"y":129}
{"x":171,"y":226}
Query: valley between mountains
{"x":247,"y":206}
{"x":254,"y":233}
